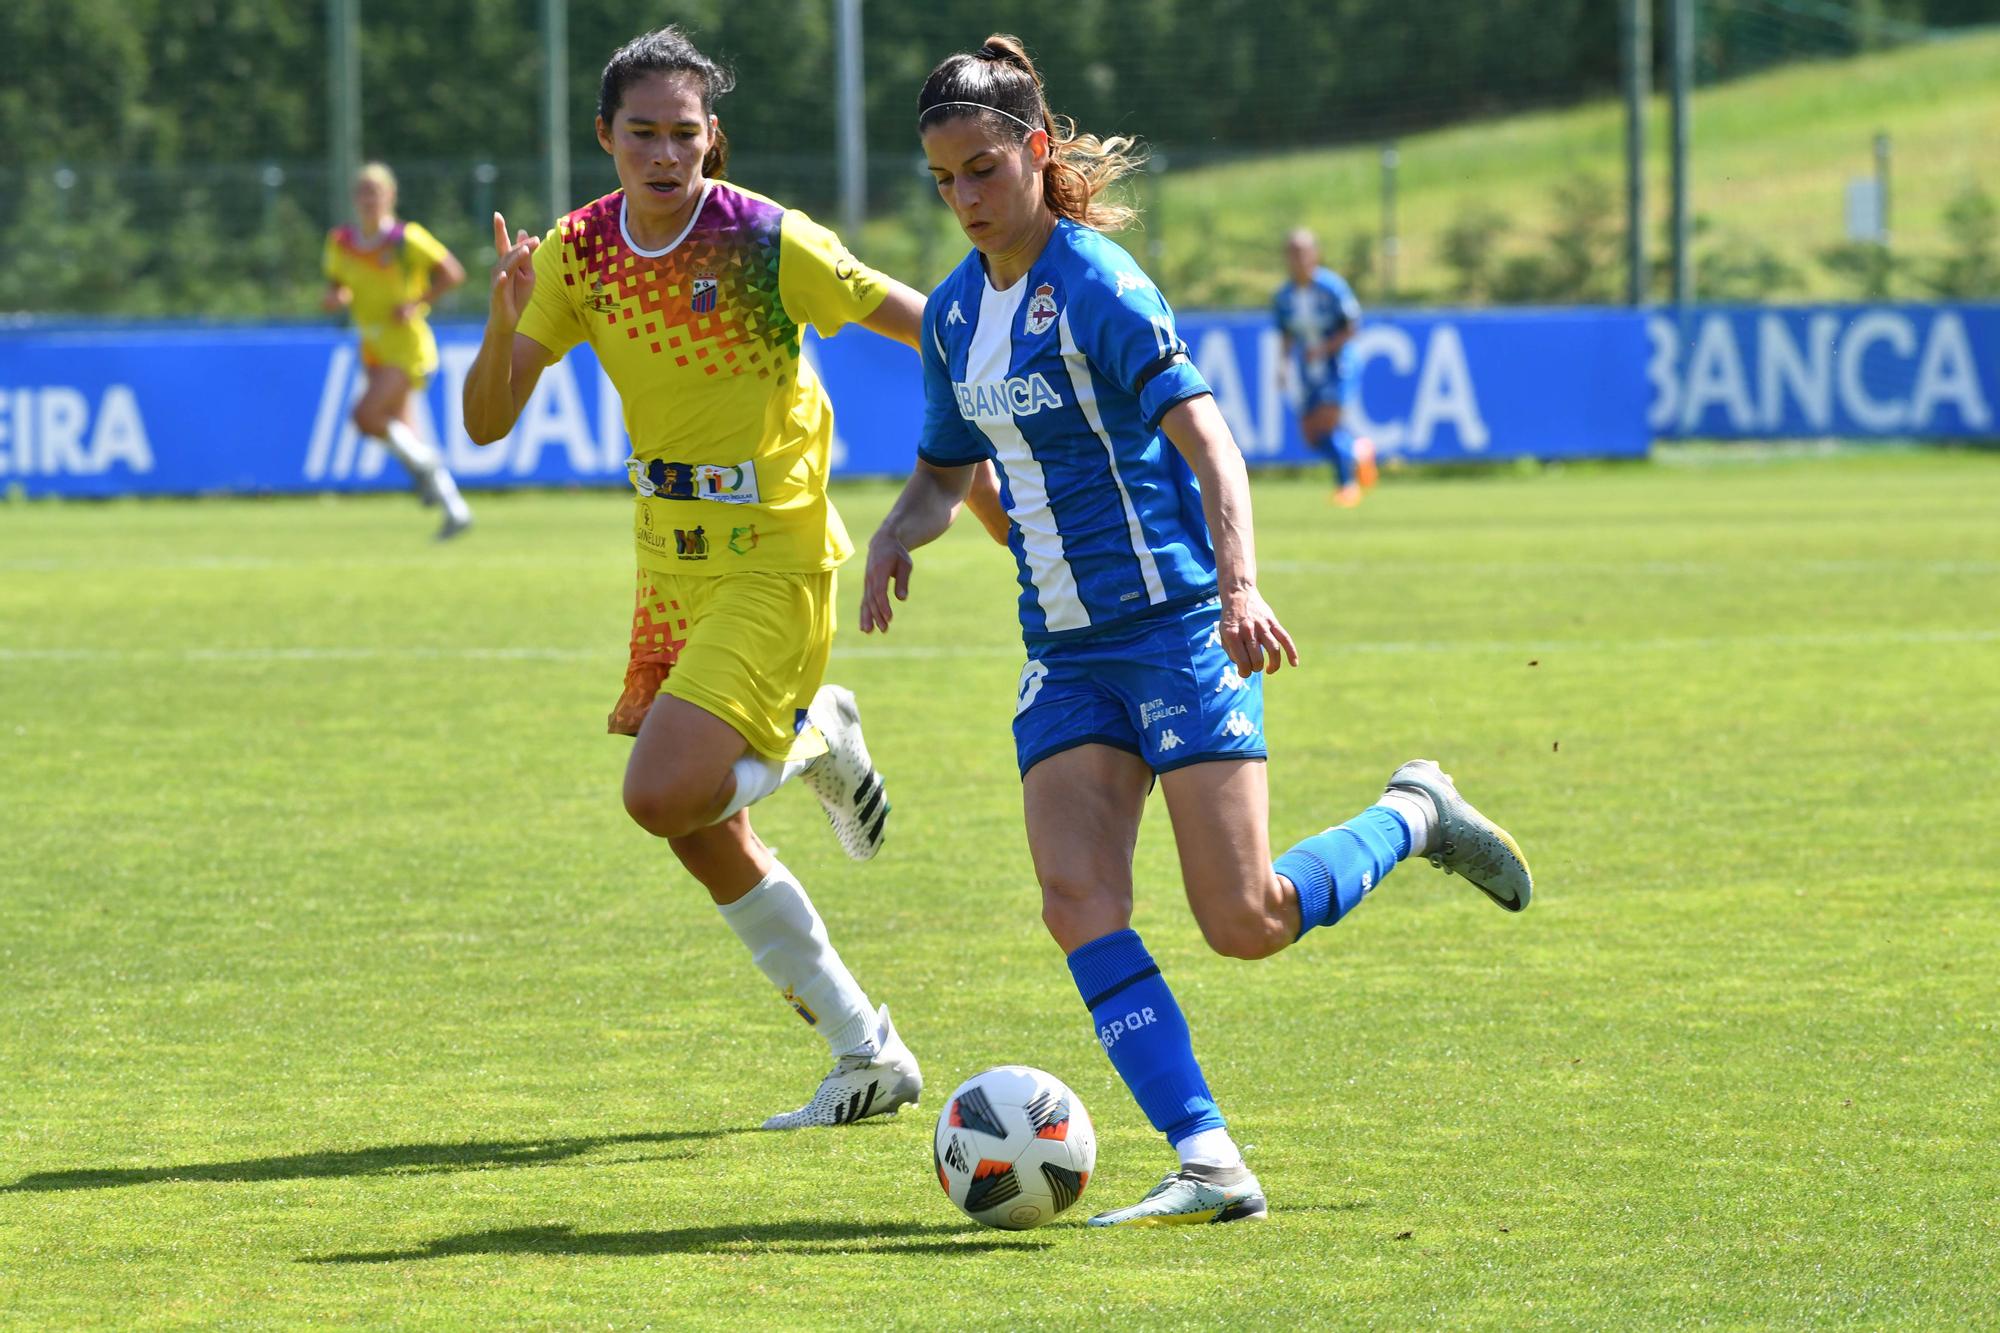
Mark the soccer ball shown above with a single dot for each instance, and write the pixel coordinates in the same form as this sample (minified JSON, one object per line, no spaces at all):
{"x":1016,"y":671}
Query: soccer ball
{"x":1014,"y":1147}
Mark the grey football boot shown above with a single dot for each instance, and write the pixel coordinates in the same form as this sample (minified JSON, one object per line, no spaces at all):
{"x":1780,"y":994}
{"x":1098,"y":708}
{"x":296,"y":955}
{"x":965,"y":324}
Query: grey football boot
{"x":1466,"y":842}
{"x":1194,"y":1196}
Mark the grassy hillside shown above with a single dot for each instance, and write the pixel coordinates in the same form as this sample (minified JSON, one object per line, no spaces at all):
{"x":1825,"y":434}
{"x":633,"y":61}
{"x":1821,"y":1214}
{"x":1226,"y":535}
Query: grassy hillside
{"x":1772,"y":157}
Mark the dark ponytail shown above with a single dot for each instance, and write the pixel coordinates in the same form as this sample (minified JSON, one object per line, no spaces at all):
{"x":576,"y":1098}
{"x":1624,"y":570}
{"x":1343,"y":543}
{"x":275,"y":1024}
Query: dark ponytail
{"x":667,"y":51}
{"x":1001,"y":78}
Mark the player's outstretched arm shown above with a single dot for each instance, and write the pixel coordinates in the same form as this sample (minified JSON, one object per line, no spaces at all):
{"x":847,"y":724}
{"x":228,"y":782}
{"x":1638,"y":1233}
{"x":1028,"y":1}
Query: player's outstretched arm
{"x":504,"y":373}
{"x":1251,"y":634}
{"x":900,"y":317}
{"x":921,"y":514}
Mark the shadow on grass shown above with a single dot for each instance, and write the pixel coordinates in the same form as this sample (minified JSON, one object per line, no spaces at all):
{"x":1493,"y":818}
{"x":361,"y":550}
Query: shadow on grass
{"x":392,"y":1159}
{"x":804,"y":1236}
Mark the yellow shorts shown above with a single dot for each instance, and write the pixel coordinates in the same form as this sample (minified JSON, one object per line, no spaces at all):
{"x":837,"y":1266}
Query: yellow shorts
{"x":410,"y":347}
{"x":750,"y":647}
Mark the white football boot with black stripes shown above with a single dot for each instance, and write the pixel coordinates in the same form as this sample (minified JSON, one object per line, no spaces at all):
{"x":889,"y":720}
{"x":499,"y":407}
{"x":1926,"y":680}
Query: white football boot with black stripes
{"x":844,"y":778}
{"x":861,"y":1086}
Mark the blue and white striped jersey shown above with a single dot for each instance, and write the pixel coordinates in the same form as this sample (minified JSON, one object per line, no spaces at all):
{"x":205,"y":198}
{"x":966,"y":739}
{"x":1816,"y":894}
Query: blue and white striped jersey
{"x":1313,"y":313}
{"x":1062,"y":380}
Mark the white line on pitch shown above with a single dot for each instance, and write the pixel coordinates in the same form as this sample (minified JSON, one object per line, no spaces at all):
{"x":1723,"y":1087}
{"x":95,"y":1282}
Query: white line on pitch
{"x":925,"y":652}
{"x":1668,"y":568}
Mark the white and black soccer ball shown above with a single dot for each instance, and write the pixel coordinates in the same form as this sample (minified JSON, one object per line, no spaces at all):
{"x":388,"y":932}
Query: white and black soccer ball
{"x":1014,"y":1147}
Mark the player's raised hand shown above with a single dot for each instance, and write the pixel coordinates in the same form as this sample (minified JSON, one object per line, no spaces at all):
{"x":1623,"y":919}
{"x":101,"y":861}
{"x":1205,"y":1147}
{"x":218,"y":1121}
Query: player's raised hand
{"x":888,"y":562}
{"x":514,"y":274}
{"x":1251,"y":634}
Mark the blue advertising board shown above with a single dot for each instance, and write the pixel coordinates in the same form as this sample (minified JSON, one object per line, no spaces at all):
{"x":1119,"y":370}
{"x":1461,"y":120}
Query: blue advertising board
{"x":123,"y":410}
{"x":1790,"y":372}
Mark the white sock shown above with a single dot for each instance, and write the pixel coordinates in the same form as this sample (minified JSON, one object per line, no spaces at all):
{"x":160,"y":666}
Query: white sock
{"x":417,"y":456}
{"x":1209,"y":1147}
{"x":446,"y":491}
{"x":427,"y":466}
{"x":756,"y":778}
{"x":1418,"y":811}
{"x":789,"y":943}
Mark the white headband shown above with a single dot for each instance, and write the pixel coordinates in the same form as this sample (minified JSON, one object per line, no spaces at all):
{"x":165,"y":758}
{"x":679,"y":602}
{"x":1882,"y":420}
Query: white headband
{"x":981,"y":106}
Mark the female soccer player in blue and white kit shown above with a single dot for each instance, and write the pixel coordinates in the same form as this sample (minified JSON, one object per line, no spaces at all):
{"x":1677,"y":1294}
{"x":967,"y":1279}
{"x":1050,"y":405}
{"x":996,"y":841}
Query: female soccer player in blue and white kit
{"x":1050,"y":353}
{"x":1317,"y":317}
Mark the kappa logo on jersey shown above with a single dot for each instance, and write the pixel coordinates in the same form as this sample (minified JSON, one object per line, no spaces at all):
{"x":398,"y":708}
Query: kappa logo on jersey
{"x":1042,"y":310}
{"x":1016,"y":396}
{"x":1238,"y":723}
{"x":954,"y":316}
{"x":1230,"y":680}
{"x":703,"y":300}
{"x":1170,"y":740}
{"x":1131,"y":282}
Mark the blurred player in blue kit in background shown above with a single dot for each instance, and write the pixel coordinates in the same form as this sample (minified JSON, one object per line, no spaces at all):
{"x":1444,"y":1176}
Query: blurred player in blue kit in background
{"x":1318,"y":316}
{"x":1127,"y":508}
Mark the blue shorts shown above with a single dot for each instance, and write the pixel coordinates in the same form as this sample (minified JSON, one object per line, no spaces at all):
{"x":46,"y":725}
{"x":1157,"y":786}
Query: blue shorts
{"x":1162,"y":689}
{"x":1331,"y":387}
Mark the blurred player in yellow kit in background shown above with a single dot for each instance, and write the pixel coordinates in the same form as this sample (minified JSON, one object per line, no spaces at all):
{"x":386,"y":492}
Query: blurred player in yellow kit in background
{"x":387,"y":273}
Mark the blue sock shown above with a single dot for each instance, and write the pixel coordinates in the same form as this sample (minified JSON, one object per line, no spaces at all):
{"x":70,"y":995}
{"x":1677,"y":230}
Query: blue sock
{"x":1343,"y":455}
{"x":1141,"y":1029}
{"x":1334,"y":870}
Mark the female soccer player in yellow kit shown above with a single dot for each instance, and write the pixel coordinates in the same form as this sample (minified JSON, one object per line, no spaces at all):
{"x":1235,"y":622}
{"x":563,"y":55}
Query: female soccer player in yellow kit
{"x":693,"y":293}
{"x":388,"y":273}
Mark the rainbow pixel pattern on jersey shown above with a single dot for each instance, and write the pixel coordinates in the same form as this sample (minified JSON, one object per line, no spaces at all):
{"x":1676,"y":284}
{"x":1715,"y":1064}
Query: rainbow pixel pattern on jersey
{"x":701,"y":340}
{"x":711,"y":300}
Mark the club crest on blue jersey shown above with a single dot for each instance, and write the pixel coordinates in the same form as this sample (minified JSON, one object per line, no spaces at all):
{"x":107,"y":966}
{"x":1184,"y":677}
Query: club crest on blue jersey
{"x":1042,"y":310}
{"x":704,"y":294}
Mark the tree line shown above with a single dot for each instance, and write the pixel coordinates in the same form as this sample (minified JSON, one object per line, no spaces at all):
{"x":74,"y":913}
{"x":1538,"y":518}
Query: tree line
{"x":166,"y":156}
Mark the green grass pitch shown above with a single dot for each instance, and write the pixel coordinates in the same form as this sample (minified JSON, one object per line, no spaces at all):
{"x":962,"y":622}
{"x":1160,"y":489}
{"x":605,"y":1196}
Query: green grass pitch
{"x":335,"y":986}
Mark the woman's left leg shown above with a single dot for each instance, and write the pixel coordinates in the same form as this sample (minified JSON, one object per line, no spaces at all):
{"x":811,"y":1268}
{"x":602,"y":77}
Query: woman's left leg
{"x":1248,"y":906}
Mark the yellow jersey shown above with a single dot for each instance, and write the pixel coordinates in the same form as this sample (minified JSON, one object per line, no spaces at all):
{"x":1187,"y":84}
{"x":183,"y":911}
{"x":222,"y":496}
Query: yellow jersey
{"x":731,"y":431}
{"x":394,"y":270}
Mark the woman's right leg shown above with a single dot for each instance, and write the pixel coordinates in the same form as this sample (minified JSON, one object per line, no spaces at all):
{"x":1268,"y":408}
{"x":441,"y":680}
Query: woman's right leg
{"x":1083,"y":807}
{"x":1323,"y":427}
{"x":1083,"y":810}
{"x":383,"y":413}
{"x":426,"y":464}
